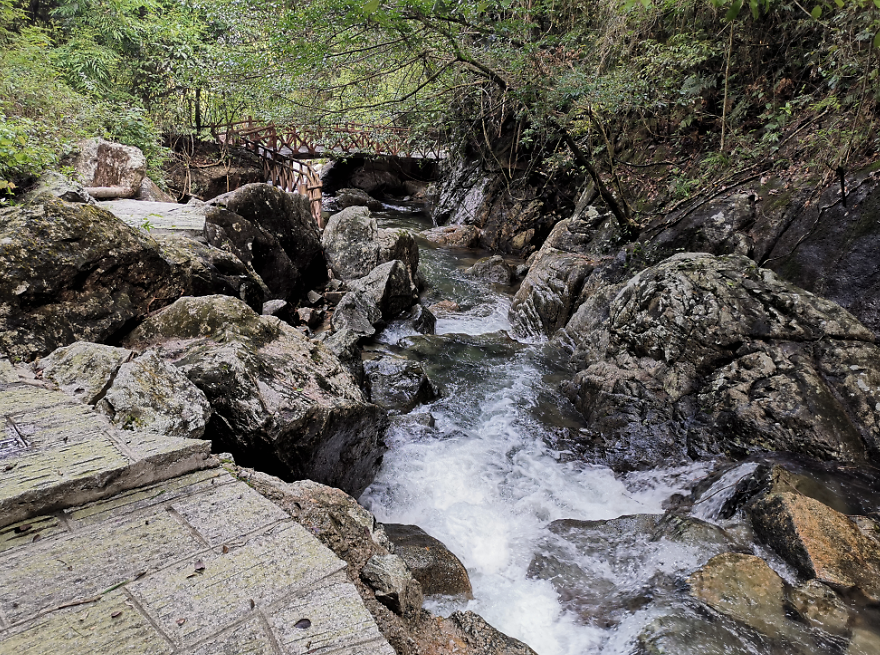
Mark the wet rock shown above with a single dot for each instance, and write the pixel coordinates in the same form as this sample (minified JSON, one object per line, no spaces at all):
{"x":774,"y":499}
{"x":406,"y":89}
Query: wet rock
{"x":679,"y":629}
{"x":421,"y":319}
{"x":272,"y":231}
{"x":444,"y":307}
{"x":393,"y":583}
{"x":744,"y":588}
{"x":454,"y":236}
{"x":483,"y":638}
{"x":110,"y":170}
{"x":701,"y":355}
{"x":820,"y":607}
{"x":58,"y":186}
{"x":413,"y":421}
{"x":74,"y":272}
{"x":390,"y":286}
{"x":344,"y":344}
{"x":587,"y":560}
{"x":358,"y":312}
{"x":398,"y":384}
{"x":205,"y":270}
{"x":399,"y":245}
{"x":551,"y":290}
{"x":278,"y":398}
{"x":437,"y":569}
{"x":493,"y":269}
{"x":819,"y":542}
{"x":351,"y":197}
{"x":150,"y":395}
{"x":350,"y":243}
{"x":83,"y":369}
{"x":864,"y":642}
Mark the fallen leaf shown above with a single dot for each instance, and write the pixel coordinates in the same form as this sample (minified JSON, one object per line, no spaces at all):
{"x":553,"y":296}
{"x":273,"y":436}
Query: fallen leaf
{"x":181,"y":621}
{"x":200,"y":566}
{"x":225,"y":549}
{"x":303,"y":624}
{"x":116,"y":614}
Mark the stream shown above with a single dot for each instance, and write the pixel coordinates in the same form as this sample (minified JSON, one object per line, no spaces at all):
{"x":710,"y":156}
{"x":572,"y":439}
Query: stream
{"x":495,"y":471}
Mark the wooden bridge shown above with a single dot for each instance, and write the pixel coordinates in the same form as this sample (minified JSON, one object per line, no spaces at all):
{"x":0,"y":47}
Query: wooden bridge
{"x":285,"y":150}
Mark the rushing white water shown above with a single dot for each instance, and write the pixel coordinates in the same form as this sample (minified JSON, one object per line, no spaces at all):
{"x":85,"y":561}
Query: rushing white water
{"x":488,"y":481}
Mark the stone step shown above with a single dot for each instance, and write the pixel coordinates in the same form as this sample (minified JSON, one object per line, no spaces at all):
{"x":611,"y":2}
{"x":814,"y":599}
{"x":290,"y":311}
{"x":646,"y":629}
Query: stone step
{"x":56,"y":452}
{"x":198,"y":564}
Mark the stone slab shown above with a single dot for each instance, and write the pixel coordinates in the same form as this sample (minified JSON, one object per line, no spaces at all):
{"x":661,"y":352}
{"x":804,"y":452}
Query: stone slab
{"x":56,"y":452}
{"x":162,"y":216}
{"x":108,"y":626}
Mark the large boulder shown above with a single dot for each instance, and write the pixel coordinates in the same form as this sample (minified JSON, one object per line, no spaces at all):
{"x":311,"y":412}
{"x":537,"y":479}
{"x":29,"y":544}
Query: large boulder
{"x":493,"y":269}
{"x":272,"y":231}
{"x":701,"y":355}
{"x":205,"y":270}
{"x":74,"y":272}
{"x":437,"y":569}
{"x":279,"y":400}
{"x":140,"y":393}
{"x":110,"y":170}
{"x":350,"y":243}
{"x":551,"y":290}
{"x":58,"y":186}
{"x":357,"y":312}
{"x":349,"y":197}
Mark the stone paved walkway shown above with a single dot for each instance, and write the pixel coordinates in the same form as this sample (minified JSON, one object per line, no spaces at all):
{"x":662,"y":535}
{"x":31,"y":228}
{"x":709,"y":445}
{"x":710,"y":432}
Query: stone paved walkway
{"x":173,"y":555}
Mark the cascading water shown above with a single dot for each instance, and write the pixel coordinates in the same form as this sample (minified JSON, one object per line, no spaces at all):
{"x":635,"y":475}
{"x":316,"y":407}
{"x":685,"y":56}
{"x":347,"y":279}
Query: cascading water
{"x":490,"y":477}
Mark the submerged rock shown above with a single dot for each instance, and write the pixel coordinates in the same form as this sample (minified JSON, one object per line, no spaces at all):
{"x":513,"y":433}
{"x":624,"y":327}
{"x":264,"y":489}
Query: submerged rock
{"x":493,"y":269}
{"x":278,"y":398}
{"x":398,"y":384}
{"x":437,"y":569}
{"x":701,"y":355}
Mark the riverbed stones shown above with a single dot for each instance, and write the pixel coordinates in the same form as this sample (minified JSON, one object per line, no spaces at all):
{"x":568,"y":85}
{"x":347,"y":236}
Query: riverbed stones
{"x":420,"y":319}
{"x":278,"y":398}
{"x":398,"y":384}
{"x":701,"y":355}
{"x":438,"y":570}
{"x":73,"y":272}
{"x":745,"y":588}
{"x":819,"y":542}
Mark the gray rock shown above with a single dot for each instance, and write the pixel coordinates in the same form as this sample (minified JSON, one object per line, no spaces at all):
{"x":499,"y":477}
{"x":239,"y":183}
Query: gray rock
{"x":110,"y":169}
{"x":390,"y":286}
{"x":350,"y":243}
{"x":344,"y":344}
{"x":399,"y":245}
{"x":484,"y":639}
{"x":421,"y":319}
{"x":701,"y":355}
{"x":393,"y":583}
{"x":351,"y":197}
{"x":454,"y":236}
{"x":205,"y":270}
{"x":74,"y":272}
{"x":398,"y":384}
{"x":149,"y":394}
{"x":84,"y":370}
{"x":358,"y":312}
{"x":314,"y":297}
{"x":493,"y":269}
{"x":272,"y":231}
{"x":310,"y":316}
{"x":551,"y":290}
{"x":150,"y":192}
{"x":58,"y":186}
{"x":279,"y":308}
{"x":278,"y":399}
{"x":438,"y":570}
